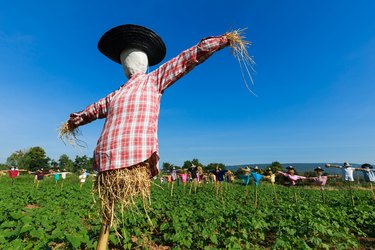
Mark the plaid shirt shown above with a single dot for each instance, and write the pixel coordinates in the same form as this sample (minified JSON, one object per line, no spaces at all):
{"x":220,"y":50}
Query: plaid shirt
{"x":129,"y":136}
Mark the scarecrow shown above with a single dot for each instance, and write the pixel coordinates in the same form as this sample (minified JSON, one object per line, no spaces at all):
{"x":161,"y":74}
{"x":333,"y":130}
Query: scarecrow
{"x":246,"y":177}
{"x":272,"y":177}
{"x":369,"y":176}
{"x":257,"y":177}
{"x":193,"y":170}
{"x":219,"y":177}
{"x":321,"y":180}
{"x":292,"y":178}
{"x":82,"y":178}
{"x":347,"y":173}
{"x":13,"y":173}
{"x":126,"y":156}
{"x":56,"y":176}
{"x":173,"y":178}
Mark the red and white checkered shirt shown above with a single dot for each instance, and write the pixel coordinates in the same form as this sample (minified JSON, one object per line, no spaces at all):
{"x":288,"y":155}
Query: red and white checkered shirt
{"x":129,"y":136}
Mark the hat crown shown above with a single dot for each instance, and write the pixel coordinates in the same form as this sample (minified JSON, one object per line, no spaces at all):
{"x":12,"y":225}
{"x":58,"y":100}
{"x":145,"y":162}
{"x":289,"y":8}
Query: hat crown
{"x":115,"y":40}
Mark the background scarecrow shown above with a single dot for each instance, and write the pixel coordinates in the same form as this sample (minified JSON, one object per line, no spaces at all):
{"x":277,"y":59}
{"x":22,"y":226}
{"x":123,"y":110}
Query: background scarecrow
{"x":126,"y":155}
{"x":321,"y":180}
{"x":347,"y":174}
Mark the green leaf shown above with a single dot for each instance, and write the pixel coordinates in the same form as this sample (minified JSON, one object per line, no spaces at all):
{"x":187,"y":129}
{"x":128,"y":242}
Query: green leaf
{"x":213,"y":238}
{"x":164,"y":226}
{"x":75,"y":241}
{"x":8,"y":224}
{"x":26,"y":228}
{"x":17,"y":244}
{"x":15,"y":215}
{"x":38,"y":234}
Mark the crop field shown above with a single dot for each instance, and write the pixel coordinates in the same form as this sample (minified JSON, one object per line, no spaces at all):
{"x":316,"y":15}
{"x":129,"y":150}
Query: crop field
{"x":48,"y":217}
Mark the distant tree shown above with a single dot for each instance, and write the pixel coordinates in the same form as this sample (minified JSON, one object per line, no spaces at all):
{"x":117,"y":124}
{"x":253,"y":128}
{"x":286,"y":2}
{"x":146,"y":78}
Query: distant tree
{"x":212,"y":166}
{"x":168,"y":166}
{"x":196,"y":162}
{"x":276,"y":166}
{"x":4,"y":166}
{"x":66,"y":163}
{"x":16,"y":159}
{"x":35,"y":158}
{"x":82,"y":162}
{"x":309,"y":174}
{"x":53,"y":163}
{"x":187,"y":164}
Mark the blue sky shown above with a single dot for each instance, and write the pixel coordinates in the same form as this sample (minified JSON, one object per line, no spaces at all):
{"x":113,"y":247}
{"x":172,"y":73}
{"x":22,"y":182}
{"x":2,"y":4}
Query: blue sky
{"x":314,"y":79}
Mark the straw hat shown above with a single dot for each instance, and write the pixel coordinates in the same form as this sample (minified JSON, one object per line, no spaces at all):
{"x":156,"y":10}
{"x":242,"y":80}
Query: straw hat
{"x":246,"y":169}
{"x":114,"y":41}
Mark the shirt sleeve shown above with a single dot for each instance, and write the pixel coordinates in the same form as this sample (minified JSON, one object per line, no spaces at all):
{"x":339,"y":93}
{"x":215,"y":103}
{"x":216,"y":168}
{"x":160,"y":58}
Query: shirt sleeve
{"x":171,"y":71}
{"x":282,"y":173}
{"x":92,"y":112}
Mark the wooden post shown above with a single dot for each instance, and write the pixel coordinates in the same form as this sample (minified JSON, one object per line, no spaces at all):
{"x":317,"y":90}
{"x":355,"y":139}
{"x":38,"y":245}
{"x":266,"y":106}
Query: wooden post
{"x":372,"y":191}
{"x":103,"y":237}
{"x":217,"y":189}
{"x":221,"y":192}
{"x":255,"y":196}
{"x":323,"y":196}
{"x":172,"y":188}
{"x":274,"y":190}
{"x":351,"y":194}
{"x":247,"y":192}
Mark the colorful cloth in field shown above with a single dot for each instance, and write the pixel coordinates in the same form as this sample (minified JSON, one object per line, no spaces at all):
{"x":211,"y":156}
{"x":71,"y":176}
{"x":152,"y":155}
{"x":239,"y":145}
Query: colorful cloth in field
{"x":321,"y":181}
{"x":193,"y":172}
{"x":271,"y":177}
{"x":129,"y":135}
{"x":257,"y":177}
{"x":13,"y":173}
{"x":347,"y":173}
{"x":183,"y":177}
{"x":293,"y":178}
{"x":40,"y":176}
{"x":169,"y":178}
{"x":56,"y":176}
{"x":82,"y":178}
{"x":219,"y":174}
{"x":246,"y":179}
{"x":174,"y":175}
{"x":369,"y":175}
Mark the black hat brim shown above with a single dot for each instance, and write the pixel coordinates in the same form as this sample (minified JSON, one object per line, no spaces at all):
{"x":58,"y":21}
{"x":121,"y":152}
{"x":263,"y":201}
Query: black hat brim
{"x":114,"y":41}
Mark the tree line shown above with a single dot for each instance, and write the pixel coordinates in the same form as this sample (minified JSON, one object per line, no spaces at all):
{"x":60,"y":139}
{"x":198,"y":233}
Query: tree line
{"x":275,"y":166}
{"x":35,"y":158}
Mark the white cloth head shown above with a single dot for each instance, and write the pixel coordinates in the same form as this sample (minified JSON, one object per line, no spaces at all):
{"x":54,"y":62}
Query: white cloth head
{"x":133,"y":61}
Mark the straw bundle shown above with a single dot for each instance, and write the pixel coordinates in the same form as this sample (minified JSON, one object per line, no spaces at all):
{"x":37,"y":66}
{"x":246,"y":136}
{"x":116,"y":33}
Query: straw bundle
{"x":67,"y":132}
{"x":239,"y":49}
{"x":118,"y":190}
